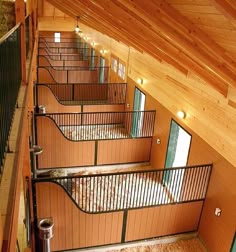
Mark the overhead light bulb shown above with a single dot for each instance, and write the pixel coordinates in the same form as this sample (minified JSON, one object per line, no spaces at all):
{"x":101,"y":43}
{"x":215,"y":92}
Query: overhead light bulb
{"x":181,"y":114}
{"x":77,"y":29}
{"x":103,"y":51}
{"x":140,"y":81}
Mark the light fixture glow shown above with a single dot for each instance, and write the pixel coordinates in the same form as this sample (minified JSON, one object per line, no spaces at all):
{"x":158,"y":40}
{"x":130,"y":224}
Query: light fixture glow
{"x":140,"y":81}
{"x":93,"y":44}
{"x":77,"y":29}
{"x":103,"y":51}
{"x":181,"y":114}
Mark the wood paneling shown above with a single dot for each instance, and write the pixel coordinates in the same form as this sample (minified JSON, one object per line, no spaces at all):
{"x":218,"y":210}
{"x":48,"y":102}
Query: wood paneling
{"x":72,"y":227}
{"x":45,"y":61}
{"x":59,"y":151}
{"x":44,"y":76}
{"x":162,"y":220}
{"x":217,"y":232}
{"x":83,"y":76}
{"x":46,"y":98}
{"x":124,"y":151}
{"x":221,"y":190}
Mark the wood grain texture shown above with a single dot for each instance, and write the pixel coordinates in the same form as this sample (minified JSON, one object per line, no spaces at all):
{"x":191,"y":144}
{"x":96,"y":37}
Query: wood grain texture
{"x":46,"y":98}
{"x":72,"y":227}
{"x":124,"y":151}
{"x":59,"y":151}
{"x":162,"y":220}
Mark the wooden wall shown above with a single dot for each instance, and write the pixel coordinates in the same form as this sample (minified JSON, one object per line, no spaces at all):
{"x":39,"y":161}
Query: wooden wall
{"x":46,"y":98}
{"x":50,"y":75}
{"x":124,"y":151}
{"x":76,"y":229}
{"x":58,"y":151}
{"x":163,"y":220}
{"x":216,"y":232}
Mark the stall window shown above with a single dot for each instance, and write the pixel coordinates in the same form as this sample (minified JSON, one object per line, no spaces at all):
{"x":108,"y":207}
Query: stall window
{"x":121,"y":70}
{"x":57,"y":37}
{"x":114,"y":63}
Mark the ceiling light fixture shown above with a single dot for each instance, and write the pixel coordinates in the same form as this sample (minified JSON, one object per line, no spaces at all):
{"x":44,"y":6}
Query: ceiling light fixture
{"x":103,"y":51}
{"x":77,"y":29}
{"x":140,"y":81}
{"x":181,"y":114}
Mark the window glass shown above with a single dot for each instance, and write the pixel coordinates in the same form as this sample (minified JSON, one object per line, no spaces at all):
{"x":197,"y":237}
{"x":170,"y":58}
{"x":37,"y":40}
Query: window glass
{"x":57,"y":37}
{"x":114,"y":64}
{"x":121,"y":70}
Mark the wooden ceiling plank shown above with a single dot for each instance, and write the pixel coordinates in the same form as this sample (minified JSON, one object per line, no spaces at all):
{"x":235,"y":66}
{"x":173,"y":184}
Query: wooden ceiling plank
{"x":159,"y":54}
{"x":197,"y":34}
{"x":99,"y":22}
{"x":149,"y":12}
{"x":228,"y":10}
{"x":214,"y":82}
{"x":64,"y":8}
{"x":134,"y":36}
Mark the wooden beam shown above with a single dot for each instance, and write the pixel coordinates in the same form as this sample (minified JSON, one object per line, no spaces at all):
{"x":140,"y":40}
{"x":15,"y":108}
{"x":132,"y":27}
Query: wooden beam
{"x":133,"y":40}
{"x":102,"y":15}
{"x":67,"y":9}
{"x":150,"y":12}
{"x":187,"y":27}
{"x":227,"y":9}
{"x":139,"y":29}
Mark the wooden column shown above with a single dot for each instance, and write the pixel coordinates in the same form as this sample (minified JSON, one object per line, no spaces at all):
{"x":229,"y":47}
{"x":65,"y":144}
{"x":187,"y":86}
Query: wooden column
{"x":1,"y":232}
{"x":20,"y":18}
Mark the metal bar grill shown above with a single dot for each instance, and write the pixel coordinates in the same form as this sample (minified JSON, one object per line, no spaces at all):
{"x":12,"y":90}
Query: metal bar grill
{"x":129,"y":190}
{"x":87,"y":93}
{"x":10,"y":79}
{"x":73,"y":68}
{"x":64,"y":58}
{"x":102,"y":125}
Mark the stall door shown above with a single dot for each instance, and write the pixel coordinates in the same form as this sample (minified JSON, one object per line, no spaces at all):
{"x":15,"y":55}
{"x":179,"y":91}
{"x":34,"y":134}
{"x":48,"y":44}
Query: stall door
{"x":137,"y":119}
{"x":177,"y":155}
{"x":102,"y":70}
{"x":92,"y":59}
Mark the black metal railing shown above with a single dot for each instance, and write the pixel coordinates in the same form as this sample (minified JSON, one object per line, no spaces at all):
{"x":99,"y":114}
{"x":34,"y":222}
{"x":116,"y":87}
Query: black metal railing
{"x":10,"y":80}
{"x":104,"y":125}
{"x":64,"y":42}
{"x":68,"y":60}
{"x":85,"y":93}
{"x":72,"y":74}
{"x":59,"y":56}
{"x":65,"y":48}
{"x":137,"y":189}
{"x":52,"y":39}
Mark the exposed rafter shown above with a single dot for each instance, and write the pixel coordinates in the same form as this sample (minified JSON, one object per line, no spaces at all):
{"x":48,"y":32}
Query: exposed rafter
{"x":158,"y":29}
{"x":227,"y":8}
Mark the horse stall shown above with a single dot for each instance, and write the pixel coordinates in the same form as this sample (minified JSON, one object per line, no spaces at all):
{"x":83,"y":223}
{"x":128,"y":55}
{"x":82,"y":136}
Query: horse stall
{"x":112,"y":208}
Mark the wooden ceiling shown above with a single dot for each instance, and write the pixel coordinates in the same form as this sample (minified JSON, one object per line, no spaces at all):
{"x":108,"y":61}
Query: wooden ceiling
{"x":196,"y":36}
{"x":185,"y":48}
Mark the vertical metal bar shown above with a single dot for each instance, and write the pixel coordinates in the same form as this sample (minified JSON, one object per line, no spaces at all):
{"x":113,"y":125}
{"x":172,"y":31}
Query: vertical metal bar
{"x":125,"y":215}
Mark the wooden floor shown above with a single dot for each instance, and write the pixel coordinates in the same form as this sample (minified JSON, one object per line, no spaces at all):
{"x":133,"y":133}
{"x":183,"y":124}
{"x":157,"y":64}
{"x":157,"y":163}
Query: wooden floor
{"x":191,"y":245}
